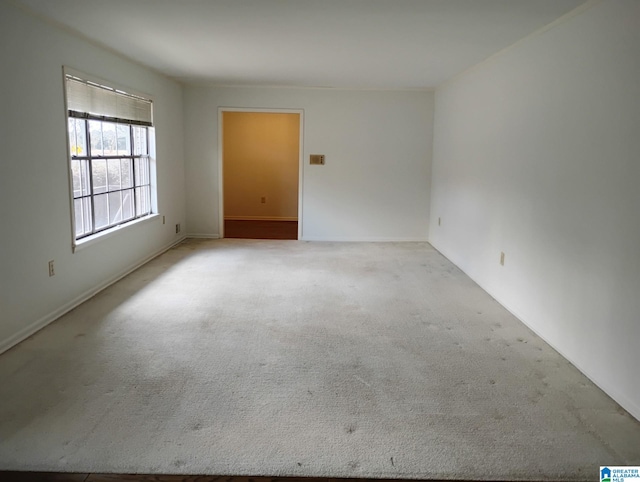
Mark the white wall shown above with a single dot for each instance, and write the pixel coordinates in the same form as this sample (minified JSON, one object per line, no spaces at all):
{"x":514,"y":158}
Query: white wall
{"x":537,"y":154}
{"x":34,"y":187}
{"x":378,"y":159}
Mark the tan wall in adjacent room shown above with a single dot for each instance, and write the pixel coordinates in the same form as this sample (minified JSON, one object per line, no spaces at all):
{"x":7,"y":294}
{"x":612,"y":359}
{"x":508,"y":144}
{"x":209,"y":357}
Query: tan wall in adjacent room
{"x":261,"y":159}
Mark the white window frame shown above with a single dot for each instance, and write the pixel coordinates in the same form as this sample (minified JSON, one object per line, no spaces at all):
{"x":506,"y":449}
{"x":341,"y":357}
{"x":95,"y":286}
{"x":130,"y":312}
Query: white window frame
{"x":111,"y":230}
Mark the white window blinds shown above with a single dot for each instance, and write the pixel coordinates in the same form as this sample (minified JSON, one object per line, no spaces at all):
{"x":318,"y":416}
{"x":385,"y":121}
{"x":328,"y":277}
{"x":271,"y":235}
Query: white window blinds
{"x":91,"y":100}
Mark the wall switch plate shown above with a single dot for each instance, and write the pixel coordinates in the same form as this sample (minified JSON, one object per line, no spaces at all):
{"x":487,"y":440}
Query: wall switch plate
{"x":52,"y":271}
{"x":263,"y":200}
{"x":438,"y":221}
{"x":317,"y":159}
{"x":502,"y":259}
{"x":163,"y":220}
{"x":177,"y":228}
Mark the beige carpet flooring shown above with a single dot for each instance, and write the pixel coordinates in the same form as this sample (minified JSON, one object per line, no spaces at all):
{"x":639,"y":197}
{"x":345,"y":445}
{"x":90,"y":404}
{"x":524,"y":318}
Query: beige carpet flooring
{"x":291,"y":358}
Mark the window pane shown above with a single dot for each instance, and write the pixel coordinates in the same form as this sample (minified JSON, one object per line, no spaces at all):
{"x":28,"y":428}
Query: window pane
{"x":128,"y":211}
{"x":124,"y":139}
{"x":71,"y":125}
{"x":140,"y":140}
{"x":146,"y":193}
{"x":76,"y":178}
{"x":85,"y":181}
{"x":79,"y":217}
{"x":99,"y":176}
{"x":95,"y":132}
{"x":113,"y":174}
{"x":109,"y":142}
{"x":143,"y":204}
{"x":77,"y":141}
{"x":144,"y":146}
{"x":81,"y":141}
{"x":86,"y":210}
{"x":142,"y":171}
{"x":138,"y":202}
{"x":136,"y":163}
{"x":115,"y":207}
{"x":126,"y":175}
{"x":101,"y":210}
{"x":147,"y":179}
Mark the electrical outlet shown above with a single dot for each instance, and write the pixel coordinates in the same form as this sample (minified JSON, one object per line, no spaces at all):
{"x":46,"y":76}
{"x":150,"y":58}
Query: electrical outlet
{"x":263,"y":200}
{"x":317,"y":159}
{"x":52,"y":271}
{"x":177,"y":228}
{"x":502,"y":258}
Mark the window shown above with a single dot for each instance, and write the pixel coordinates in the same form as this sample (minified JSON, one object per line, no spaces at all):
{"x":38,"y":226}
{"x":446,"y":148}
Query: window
{"x":109,"y":156}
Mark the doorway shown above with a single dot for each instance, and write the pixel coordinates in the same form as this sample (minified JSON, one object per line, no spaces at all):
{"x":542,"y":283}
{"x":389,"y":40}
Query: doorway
{"x":260,"y":175}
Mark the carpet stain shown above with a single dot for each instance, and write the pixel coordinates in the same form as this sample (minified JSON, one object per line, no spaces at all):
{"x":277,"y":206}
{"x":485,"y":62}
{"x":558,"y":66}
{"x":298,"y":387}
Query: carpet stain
{"x":536,"y":396}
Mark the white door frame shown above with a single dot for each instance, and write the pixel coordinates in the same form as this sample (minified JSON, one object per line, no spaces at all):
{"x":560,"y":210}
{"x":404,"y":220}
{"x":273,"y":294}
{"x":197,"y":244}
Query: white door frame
{"x":221,"y":110}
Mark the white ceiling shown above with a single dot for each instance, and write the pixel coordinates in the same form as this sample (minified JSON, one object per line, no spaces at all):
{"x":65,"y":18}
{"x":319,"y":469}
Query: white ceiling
{"x":387,"y":44}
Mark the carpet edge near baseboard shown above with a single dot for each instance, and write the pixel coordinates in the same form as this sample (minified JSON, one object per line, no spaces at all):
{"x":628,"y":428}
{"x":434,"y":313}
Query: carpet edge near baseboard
{"x":52,"y":316}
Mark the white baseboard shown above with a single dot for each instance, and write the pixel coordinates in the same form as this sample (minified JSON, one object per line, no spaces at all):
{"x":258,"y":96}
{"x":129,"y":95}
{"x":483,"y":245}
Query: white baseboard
{"x":260,"y":218}
{"x":625,"y":402}
{"x":203,"y":236}
{"x":37,"y":325}
{"x":363,"y":239}
{"x":329,"y":239}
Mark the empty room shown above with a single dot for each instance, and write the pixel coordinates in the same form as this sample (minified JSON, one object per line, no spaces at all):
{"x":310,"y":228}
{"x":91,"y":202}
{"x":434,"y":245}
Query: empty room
{"x":320,"y":239}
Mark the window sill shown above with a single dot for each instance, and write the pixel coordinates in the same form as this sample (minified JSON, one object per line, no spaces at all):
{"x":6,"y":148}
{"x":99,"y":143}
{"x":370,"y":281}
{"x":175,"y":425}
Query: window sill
{"x":96,"y":238}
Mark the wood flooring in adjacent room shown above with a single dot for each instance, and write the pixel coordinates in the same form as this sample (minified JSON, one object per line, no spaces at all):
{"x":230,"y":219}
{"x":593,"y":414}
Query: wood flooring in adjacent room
{"x":259,"y":229}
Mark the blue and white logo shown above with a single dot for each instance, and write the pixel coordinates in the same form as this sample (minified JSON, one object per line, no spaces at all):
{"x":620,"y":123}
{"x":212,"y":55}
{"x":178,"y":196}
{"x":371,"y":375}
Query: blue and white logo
{"x":619,"y":474}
